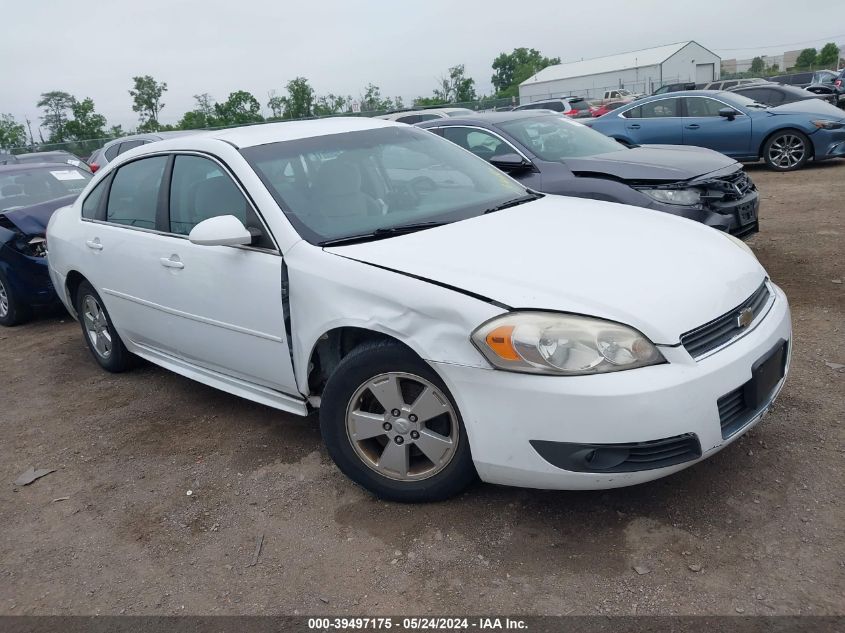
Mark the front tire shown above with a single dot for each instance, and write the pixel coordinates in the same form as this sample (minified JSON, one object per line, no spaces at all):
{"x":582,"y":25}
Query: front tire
{"x":98,"y":330}
{"x":12,"y":310}
{"x":390,"y":424}
{"x":787,"y":150}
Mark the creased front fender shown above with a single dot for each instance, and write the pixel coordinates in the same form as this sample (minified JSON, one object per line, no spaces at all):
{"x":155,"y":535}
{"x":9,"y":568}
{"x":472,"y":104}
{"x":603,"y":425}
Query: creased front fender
{"x":329,"y":291}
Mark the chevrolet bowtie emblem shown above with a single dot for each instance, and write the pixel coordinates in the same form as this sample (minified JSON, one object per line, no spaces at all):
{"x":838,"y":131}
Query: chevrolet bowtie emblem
{"x":745,"y":317}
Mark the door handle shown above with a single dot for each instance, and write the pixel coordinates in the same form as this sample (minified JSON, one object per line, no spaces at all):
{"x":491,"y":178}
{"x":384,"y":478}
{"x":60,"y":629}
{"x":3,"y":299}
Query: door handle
{"x":692,"y":126}
{"x":172,"y":262}
{"x":94,"y":244}
{"x":634,"y":126}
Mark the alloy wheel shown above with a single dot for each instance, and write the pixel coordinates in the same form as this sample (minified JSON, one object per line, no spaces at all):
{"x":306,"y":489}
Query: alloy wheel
{"x":4,"y":300}
{"x":402,"y":426}
{"x":787,"y":151}
{"x":97,"y":326}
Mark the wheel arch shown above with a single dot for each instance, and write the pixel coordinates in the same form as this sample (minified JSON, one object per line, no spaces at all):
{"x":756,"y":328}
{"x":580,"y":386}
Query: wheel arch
{"x":335,"y":344}
{"x":786,"y":128}
{"x":72,"y":282}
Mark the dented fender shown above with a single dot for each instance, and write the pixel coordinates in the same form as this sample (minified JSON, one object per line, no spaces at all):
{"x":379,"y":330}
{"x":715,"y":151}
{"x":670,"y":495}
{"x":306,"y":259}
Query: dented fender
{"x":330,"y":291}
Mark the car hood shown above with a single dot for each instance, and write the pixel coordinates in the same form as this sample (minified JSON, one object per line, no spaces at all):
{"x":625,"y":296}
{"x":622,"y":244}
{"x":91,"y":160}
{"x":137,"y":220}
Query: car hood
{"x":811,"y":107}
{"x":661,"y":274}
{"x":32,"y":220}
{"x":653,"y":162}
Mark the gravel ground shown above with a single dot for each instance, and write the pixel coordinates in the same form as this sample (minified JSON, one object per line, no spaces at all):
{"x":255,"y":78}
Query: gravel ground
{"x":757,"y":529}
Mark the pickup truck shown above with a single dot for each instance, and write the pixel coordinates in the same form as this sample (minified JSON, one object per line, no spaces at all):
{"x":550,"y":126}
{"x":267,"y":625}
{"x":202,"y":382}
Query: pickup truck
{"x":619,"y":94}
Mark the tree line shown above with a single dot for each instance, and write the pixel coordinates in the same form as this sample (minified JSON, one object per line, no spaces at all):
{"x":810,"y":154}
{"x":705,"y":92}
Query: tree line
{"x":808,"y":59}
{"x":68,"y":119}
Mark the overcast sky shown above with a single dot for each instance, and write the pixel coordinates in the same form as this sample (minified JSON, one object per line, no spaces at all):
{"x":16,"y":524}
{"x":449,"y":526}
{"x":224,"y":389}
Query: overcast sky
{"x":93,"y":49}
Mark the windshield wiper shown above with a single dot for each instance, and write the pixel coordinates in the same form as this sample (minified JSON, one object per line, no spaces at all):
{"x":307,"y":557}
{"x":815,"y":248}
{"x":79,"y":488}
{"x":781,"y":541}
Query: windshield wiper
{"x":381,"y":233}
{"x":532,"y":195}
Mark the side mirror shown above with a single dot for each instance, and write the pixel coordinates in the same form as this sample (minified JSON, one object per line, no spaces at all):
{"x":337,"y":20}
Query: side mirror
{"x":509,"y":162}
{"x":224,"y":230}
{"x":728,"y":113}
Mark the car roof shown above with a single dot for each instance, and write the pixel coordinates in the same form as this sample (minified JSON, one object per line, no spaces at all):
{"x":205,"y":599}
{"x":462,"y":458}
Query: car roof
{"x":265,"y":133}
{"x":54,"y":152}
{"x":4,"y":169}
{"x":150,"y":136}
{"x":491,"y":118}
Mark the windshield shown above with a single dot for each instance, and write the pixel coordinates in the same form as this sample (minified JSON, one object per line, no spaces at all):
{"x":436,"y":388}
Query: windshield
{"x":21,"y":188}
{"x":344,"y":185}
{"x":555,"y":138}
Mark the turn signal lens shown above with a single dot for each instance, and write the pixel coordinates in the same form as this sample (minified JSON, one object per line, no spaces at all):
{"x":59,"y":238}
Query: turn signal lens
{"x":499,"y":340}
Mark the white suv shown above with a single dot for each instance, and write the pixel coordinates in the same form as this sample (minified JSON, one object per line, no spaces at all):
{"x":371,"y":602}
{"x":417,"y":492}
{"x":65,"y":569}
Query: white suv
{"x":443,"y":327}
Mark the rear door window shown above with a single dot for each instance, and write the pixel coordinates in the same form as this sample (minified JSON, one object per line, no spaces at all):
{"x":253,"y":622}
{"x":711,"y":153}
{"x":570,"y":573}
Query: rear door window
{"x":91,"y":206}
{"x":133,"y":199}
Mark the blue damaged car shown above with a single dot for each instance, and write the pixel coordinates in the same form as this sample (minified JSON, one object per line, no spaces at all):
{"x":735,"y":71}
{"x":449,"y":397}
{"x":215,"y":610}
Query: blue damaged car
{"x":785,"y":137}
{"x":29,"y":195}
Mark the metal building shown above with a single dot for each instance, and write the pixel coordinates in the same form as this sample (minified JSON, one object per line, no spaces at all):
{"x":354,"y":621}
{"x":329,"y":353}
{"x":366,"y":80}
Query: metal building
{"x":640,"y":71}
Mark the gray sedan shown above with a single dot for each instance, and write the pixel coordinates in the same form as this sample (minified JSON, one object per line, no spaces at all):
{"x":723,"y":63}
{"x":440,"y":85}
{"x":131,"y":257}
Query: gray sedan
{"x":552,"y":154}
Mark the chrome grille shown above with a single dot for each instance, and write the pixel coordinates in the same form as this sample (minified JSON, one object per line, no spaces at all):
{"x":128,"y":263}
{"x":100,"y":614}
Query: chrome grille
{"x":726,"y":327}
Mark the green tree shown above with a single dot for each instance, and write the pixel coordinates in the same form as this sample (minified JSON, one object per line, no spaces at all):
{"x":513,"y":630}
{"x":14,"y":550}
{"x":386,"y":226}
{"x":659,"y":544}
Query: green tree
{"x":12,"y":133}
{"x":511,"y":69}
{"x":372,"y":101}
{"x":276,"y":103}
{"x":828,"y":56}
{"x":757,"y":65}
{"x":429,"y":101}
{"x":455,"y":86}
{"x":240,"y":108}
{"x":300,"y":99}
{"x":146,"y":101}
{"x":85,"y":124}
{"x":56,"y":105}
{"x":806,"y":58}
{"x":331,"y":104}
{"x":202,"y":116}
{"x":115,"y":131}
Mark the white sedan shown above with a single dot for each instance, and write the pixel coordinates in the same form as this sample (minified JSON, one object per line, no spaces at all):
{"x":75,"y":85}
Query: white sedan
{"x":444,"y":327}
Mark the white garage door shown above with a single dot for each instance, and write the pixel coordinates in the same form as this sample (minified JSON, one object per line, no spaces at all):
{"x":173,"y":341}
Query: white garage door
{"x":704,"y":73}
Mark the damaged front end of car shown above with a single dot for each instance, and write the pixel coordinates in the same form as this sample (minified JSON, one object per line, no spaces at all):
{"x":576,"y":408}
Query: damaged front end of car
{"x":726,"y":202}
{"x":23,"y":262}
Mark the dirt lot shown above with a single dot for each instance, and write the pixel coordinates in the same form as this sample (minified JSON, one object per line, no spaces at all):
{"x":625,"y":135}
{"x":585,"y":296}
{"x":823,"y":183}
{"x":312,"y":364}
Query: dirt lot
{"x":758,"y":529}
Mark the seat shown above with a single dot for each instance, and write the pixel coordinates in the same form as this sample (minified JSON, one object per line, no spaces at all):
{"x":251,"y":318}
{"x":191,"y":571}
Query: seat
{"x":337,"y":191}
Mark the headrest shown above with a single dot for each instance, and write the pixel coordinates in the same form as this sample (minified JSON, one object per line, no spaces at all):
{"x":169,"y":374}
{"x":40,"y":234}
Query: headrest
{"x":338,"y":177}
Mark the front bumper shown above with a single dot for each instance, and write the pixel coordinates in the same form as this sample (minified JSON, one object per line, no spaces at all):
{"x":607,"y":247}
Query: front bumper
{"x":28,"y":277}
{"x":505,"y":412}
{"x":829,"y":143}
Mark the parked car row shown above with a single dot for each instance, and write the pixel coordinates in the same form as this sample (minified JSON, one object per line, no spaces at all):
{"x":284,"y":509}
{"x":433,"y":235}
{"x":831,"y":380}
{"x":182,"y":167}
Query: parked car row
{"x":786,"y":137}
{"x":439,"y":314}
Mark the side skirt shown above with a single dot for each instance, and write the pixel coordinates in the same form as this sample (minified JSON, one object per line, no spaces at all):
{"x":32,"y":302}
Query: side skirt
{"x":229,"y":384}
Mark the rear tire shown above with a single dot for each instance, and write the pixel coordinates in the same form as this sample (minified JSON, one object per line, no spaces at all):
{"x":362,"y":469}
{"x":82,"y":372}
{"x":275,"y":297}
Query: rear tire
{"x":98,"y":331}
{"x":421,"y":454}
{"x":787,"y":150}
{"x":12,"y":310}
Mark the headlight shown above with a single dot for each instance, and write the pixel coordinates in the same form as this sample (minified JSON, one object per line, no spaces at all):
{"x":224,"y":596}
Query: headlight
{"x":683,"y":197}
{"x":741,"y":244}
{"x":33,"y":247}
{"x":827,"y":124}
{"x":563,"y":344}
